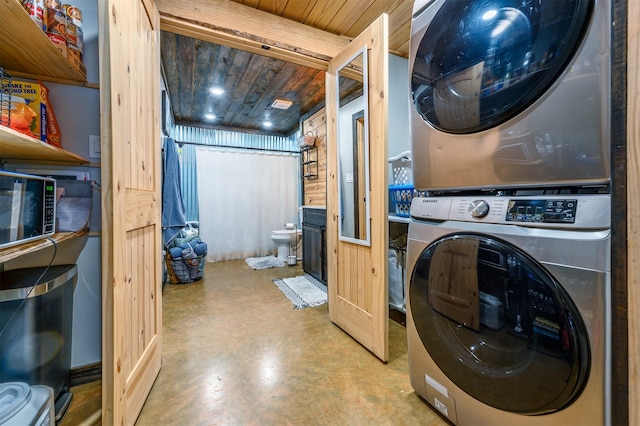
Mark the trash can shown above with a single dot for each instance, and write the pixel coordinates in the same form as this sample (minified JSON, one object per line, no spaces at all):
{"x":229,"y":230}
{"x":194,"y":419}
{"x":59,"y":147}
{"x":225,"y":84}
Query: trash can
{"x":36,"y":310}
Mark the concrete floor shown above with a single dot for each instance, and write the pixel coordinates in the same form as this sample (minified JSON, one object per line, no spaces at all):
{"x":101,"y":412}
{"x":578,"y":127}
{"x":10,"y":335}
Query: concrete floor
{"x":235,"y":352}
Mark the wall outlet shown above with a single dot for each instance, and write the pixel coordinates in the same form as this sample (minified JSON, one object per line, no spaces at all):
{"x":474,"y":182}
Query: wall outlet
{"x":94,"y":146}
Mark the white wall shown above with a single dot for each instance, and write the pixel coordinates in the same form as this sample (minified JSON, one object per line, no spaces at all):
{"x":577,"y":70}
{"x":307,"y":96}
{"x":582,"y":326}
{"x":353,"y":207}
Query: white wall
{"x":399,"y":136}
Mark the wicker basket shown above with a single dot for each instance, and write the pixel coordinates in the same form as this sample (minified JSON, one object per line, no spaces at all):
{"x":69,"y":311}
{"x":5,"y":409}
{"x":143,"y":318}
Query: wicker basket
{"x":309,"y":140}
{"x":184,"y":271}
{"x":5,"y":98}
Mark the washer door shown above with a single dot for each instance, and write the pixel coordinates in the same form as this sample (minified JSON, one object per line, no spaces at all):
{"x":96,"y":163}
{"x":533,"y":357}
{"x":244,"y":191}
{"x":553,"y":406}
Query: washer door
{"x":481,"y":63}
{"x":498,"y":324}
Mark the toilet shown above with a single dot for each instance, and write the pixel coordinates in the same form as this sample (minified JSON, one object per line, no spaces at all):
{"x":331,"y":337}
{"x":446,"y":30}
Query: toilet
{"x":282,"y":238}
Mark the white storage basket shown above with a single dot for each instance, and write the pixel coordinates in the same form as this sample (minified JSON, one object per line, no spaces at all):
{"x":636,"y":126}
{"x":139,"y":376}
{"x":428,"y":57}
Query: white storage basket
{"x":401,"y":169}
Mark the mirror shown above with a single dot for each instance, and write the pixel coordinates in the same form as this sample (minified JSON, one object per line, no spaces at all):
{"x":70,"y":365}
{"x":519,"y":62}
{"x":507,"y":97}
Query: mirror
{"x":353,"y":150}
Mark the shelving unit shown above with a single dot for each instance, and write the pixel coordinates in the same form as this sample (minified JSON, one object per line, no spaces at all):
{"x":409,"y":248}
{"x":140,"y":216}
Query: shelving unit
{"x":26,"y":51}
{"x":309,"y":158}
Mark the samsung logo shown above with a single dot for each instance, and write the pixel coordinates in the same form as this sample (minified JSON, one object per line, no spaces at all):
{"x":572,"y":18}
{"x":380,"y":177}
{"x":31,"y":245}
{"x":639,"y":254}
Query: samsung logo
{"x":428,"y":200}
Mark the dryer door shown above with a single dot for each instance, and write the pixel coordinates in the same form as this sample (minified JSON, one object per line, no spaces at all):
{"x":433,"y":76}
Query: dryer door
{"x":498,"y":324}
{"x":481,"y":63}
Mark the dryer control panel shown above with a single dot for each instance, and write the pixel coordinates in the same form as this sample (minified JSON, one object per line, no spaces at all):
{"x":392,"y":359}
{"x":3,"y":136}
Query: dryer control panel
{"x":579,"y":211}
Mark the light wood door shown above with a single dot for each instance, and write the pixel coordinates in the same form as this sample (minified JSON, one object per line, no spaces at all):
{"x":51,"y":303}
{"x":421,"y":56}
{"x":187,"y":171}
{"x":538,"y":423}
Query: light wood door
{"x":357,"y":274}
{"x":131,"y":229}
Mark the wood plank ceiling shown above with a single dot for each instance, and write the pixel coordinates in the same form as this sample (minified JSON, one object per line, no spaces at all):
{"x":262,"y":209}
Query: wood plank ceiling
{"x":252,"y":82}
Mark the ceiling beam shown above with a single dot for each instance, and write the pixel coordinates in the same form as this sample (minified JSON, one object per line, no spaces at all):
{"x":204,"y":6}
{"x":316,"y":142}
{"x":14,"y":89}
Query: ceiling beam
{"x":214,"y":126}
{"x":242,"y":27}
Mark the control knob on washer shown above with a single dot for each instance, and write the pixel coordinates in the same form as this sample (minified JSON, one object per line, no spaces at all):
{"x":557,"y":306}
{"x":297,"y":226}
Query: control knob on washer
{"x":478,"y":208}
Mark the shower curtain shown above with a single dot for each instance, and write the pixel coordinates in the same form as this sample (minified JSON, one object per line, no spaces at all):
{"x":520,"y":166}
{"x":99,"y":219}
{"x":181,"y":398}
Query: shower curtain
{"x":243,"y":196}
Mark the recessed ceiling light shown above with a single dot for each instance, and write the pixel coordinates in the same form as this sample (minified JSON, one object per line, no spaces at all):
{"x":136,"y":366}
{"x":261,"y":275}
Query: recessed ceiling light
{"x":282,"y":103}
{"x":210,"y":116}
{"x":267,"y":123}
{"x":217,"y":91}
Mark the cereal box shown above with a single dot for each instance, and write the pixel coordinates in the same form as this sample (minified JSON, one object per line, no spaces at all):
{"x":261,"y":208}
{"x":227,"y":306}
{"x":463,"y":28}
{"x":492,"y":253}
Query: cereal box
{"x":34,"y":96}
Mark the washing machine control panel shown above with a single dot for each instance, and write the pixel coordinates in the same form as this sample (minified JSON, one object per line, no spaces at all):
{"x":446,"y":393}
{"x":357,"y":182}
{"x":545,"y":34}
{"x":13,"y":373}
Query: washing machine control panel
{"x":478,"y":208}
{"x":542,"y":210}
{"x":580,"y":211}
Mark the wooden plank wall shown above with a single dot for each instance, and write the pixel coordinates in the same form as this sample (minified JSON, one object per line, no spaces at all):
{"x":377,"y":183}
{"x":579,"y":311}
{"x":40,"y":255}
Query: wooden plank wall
{"x":633,"y":206}
{"x":315,"y":191}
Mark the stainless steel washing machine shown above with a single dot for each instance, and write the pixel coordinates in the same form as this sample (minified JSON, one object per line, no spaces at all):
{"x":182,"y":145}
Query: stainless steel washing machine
{"x":508,"y":307}
{"x":510,"y":93}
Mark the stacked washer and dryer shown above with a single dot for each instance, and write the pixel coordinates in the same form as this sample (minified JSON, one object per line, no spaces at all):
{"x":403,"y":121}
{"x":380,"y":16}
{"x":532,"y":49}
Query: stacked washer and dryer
{"x":508,"y":258}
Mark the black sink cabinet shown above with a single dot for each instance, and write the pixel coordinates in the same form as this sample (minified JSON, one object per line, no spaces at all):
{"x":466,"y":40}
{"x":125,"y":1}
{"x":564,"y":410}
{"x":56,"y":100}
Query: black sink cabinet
{"x":314,"y":242}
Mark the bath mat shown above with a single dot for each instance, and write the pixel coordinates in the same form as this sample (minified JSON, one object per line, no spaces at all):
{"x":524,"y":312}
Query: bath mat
{"x":303,"y":291}
{"x":264,"y":262}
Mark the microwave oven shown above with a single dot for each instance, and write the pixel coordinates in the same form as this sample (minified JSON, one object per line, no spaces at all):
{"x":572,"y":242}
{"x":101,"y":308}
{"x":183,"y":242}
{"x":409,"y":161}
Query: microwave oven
{"x":27,"y":207}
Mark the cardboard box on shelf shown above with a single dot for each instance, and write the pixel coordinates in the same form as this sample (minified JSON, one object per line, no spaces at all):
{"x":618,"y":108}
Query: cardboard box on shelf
{"x":34,"y":96}
{"x":75,"y":45}
{"x":73,"y":54}
{"x":60,"y":41}
{"x":55,"y":21}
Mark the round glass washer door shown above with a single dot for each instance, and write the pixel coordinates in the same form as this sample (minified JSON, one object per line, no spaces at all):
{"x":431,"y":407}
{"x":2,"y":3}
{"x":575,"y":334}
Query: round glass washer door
{"x":499,"y":325}
{"x":480,"y":63}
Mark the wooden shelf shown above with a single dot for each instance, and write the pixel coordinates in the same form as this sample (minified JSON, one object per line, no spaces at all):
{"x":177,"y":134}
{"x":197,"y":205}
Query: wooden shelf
{"x":17,"y":146}
{"x":33,"y":246}
{"x":25,"y":48}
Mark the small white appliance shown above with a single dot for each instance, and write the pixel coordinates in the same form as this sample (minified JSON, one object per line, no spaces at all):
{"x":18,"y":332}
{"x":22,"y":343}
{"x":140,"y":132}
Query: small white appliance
{"x":21,"y":405}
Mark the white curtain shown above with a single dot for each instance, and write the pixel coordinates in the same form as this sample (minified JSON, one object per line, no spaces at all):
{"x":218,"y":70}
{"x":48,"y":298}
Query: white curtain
{"x":243,"y":196}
